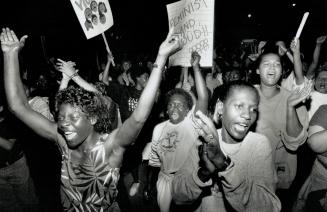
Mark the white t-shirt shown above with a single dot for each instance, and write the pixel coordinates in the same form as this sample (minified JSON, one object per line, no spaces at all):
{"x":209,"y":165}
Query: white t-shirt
{"x":317,"y":99}
{"x":290,"y":84}
{"x":172,"y":143}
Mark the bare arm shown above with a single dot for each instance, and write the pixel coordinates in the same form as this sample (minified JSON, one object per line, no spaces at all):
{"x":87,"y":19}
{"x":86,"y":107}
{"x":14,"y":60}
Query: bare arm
{"x":290,"y":56}
{"x":64,"y":81}
{"x":6,"y":144}
{"x":105,"y":76}
{"x":185,"y":83}
{"x":183,"y":78}
{"x":131,"y":127}
{"x":16,"y":96}
{"x":293,"y":124}
{"x":201,"y":88}
{"x":298,"y":72}
{"x":69,"y":70}
{"x":283,"y":50}
{"x":316,"y":55}
{"x":65,"y":78}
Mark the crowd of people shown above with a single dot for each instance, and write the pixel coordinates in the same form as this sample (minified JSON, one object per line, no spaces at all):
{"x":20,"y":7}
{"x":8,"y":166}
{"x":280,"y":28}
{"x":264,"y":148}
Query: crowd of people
{"x":246,"y":134}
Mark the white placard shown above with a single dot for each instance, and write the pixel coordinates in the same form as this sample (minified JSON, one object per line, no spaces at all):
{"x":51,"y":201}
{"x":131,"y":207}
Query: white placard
{"x":194,"y":20}
{"x":95,"y":16}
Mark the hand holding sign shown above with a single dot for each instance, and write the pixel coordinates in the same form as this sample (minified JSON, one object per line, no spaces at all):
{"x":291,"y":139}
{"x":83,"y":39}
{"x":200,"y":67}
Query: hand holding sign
{"x":95,"y":16}
{"x":194,"y":20}
{"x":171,"y":44}
{"x":108,"y":49}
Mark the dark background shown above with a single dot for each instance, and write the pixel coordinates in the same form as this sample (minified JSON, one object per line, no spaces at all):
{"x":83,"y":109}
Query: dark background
{"x":141,"y":25}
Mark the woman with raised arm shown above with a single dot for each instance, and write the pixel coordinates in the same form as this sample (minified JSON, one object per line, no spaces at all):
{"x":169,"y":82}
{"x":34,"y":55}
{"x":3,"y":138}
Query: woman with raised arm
{"x":282,"y":117}
{"x":90,"y":158}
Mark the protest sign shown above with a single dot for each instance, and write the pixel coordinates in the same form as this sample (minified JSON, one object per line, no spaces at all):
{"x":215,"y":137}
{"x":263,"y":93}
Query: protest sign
{"x":194,"y":21}
{"x":95,"y":16}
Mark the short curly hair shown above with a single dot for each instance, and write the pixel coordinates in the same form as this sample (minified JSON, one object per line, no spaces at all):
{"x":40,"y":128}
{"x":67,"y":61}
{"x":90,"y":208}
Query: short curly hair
{"x":92,"y":104}
{"x":182,"y":92}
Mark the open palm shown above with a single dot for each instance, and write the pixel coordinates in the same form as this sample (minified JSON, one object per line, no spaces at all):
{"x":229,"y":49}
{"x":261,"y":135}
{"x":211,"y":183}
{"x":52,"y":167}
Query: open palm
{"x":9,"y":40}
{"x":299,"y":95}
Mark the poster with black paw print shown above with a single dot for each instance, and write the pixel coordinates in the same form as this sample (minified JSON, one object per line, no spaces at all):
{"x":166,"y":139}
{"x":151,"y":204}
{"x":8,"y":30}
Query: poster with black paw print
{"x":95,"y":16}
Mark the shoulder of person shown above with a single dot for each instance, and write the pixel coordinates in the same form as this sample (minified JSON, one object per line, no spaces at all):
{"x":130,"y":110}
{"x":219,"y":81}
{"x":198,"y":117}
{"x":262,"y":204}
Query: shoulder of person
{"x":109,"y":138}
{"x":160,"y":125}
{"x":285,"y":91}
{"x":260,"y":141}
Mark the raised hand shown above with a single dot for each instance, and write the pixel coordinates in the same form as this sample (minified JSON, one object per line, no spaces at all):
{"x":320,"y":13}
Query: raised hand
{"x":67,"y":68}
{"x":170,"y":45}
{"x":217,"y":113}
{"x":281,"y":47}
{"x":10,"y":42}
{"x":300,"y":95}
{"x":195,"y":59}
{"x":295,"y":46}
{"x":260,"y":46}
{"x":321,"y":39}
{"x":110,"y":58}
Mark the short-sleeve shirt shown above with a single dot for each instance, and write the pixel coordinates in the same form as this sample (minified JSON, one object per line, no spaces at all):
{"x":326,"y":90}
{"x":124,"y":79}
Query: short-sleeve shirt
{"x":172,"y":144}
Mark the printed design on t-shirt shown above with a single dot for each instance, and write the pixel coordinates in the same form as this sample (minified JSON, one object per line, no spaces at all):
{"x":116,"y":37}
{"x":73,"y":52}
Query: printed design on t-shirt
{"x":91,"y":186}
{"x":168,"y":143}
{"x":132,"y":104}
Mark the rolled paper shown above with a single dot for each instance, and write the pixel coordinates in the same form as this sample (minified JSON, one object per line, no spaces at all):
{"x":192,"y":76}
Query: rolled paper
{"x":299,"y":30}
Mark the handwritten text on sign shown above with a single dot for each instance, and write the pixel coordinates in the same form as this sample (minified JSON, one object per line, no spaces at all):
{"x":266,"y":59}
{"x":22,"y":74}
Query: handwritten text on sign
{"x":194,"y":20}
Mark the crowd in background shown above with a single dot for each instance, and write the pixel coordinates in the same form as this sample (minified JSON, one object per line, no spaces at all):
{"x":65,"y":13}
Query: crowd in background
{"x":247,"y":134}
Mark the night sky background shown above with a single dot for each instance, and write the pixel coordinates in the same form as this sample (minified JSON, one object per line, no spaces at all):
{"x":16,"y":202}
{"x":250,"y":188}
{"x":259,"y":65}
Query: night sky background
{"x":140,"y":26}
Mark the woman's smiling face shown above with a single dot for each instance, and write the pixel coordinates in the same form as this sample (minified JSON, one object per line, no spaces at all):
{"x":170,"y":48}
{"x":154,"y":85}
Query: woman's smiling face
{"x":74,"y":125}
{"x":270,"y":69}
